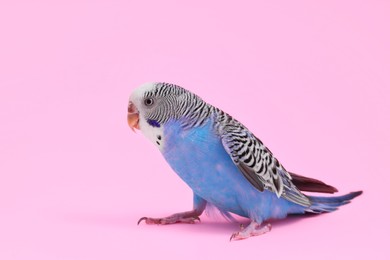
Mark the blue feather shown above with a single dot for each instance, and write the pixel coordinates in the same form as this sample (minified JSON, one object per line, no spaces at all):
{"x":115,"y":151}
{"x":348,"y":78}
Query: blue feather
{"x":328,"y":204}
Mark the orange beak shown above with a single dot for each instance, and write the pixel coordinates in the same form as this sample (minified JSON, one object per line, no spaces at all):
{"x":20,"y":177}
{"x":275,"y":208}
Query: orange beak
{"x":133,"y":117}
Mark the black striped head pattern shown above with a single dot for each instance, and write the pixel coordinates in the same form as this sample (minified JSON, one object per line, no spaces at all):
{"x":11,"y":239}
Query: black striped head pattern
{"x":164,"y":101}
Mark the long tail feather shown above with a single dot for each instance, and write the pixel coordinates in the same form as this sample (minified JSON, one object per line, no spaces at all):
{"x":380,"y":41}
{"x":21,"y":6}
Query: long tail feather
{"x":329,"y":204}
{"x":312,"y":185}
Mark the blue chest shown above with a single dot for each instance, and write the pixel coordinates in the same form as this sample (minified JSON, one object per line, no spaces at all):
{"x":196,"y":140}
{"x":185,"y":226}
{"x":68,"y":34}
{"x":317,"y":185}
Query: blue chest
{"x":198,"y":157}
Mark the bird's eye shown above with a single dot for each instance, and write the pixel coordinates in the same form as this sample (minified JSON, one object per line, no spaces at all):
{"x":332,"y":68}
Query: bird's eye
{"x":149,"y":101}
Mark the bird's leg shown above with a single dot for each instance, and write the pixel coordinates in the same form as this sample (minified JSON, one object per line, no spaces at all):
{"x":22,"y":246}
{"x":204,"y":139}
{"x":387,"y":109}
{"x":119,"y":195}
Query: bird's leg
{"x":183,"y":217}
{"x":253,"y":229}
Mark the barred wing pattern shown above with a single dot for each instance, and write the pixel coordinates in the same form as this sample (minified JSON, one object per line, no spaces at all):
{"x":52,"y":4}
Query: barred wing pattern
{"x":254,"y":160}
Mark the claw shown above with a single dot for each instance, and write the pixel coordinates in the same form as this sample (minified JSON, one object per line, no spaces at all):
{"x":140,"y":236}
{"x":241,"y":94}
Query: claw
{"x":236,"y":233}
{"x":157,"y":221}
{"x":253,"y":229}
{"x":140,"y":220}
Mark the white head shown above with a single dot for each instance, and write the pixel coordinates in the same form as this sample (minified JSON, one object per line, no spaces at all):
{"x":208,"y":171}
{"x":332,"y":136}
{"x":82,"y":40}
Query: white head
{"x":151,"y":105}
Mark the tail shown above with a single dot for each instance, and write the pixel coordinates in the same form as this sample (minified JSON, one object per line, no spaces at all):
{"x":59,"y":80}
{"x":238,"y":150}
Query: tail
{"x":309,"y":184}
{"x":329,"y":204}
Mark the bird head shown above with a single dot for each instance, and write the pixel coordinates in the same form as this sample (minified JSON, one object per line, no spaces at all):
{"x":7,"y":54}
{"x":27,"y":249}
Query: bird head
{"x":151,"y":105}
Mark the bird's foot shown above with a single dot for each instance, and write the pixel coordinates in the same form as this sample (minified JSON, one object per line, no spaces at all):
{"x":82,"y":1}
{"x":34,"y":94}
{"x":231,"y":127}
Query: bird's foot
{"x":253,"y":229}
{"x":189,"y":217}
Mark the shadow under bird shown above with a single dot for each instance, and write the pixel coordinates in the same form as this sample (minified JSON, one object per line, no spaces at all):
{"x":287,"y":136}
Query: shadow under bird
{"x":222,"y":161}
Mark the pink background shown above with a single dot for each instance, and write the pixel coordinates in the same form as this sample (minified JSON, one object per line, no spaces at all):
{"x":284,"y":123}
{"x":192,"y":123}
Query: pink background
{"x":310,"y":78}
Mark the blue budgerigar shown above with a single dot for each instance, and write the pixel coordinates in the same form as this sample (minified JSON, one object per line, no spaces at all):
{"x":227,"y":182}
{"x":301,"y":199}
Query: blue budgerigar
{"x":222,"y":161}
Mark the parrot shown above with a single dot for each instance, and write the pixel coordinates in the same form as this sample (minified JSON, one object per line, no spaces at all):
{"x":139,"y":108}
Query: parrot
{"x":223,"y":162}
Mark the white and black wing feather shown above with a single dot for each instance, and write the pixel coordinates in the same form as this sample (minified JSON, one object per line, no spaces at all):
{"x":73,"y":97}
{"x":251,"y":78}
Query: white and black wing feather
{"x":255,"y":160}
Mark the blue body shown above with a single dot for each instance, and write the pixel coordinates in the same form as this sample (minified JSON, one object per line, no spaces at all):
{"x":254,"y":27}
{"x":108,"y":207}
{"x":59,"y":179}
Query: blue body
{"x":199,"y":158}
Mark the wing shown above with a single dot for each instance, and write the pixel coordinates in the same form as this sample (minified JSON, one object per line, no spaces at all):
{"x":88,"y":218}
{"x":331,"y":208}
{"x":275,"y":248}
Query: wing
{"x":255,"y":161}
